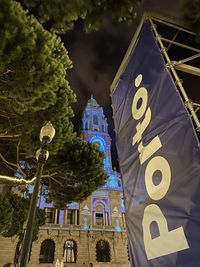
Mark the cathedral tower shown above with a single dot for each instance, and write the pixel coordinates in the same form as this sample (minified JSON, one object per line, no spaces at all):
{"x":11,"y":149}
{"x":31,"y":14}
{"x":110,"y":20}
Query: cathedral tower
{"x":95,"y":130}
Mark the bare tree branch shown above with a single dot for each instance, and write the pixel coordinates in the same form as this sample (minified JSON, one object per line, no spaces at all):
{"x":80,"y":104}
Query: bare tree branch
{"x":8,"y":162}
{"x":56,"y":180}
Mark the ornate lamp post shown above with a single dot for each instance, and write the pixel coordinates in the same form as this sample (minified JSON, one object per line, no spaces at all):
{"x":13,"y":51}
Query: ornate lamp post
{"x":46,"y":135}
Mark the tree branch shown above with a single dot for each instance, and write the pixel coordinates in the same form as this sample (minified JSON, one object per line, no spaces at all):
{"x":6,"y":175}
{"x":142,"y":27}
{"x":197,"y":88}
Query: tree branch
{"x":5,"y":135}
{"x":18,"y":165}
{"x":56,"y":181}
{"x":7,"y":162}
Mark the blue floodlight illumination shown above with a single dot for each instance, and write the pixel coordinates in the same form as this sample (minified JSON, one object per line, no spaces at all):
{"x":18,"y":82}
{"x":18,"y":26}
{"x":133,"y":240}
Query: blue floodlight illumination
{"x":95,"y":130}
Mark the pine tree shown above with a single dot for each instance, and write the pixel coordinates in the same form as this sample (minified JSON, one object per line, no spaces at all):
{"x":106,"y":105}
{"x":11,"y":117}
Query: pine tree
{"x":62,"y":14}
{"x":34,"y":89}
{"x":14,"y":210}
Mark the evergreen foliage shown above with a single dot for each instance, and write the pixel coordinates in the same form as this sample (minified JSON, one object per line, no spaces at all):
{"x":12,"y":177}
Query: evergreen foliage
{"x":62,"y":14}
{"x":13,"y":215}
{"x":33,"y":66}
{"x":6,"y":212}
{"x":20,"y":211}
{"x":34,"y":89}
{"x":85,"y":175}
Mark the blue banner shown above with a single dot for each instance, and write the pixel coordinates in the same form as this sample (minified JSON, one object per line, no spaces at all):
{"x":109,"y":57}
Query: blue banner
{"x":159,"y":161}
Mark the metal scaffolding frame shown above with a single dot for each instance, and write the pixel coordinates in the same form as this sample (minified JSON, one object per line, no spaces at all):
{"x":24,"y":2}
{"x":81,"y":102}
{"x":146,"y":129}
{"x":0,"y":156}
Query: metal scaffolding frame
{"x":173,"y":65}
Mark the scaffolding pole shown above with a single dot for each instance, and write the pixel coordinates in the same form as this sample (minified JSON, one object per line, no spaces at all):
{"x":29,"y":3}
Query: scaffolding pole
{"x":188,"y":102}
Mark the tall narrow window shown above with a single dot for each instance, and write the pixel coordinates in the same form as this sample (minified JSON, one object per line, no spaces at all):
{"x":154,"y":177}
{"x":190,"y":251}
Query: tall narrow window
{"x":99,"y":218}
{"x":77,"y":217}
{"x":70,"y":249}
{"x":72,"y":216}
{"x":95,"y":119}
{"x":50,"y":215}
{"x":103,"y":251}
{"x":87,"y":125}
{"x":47,"y":251}
{"x":119,"y":183}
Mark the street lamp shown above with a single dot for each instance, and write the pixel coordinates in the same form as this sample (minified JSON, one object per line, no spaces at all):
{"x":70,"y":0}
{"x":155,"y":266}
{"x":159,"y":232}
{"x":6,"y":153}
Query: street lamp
{"x":46,"y":135}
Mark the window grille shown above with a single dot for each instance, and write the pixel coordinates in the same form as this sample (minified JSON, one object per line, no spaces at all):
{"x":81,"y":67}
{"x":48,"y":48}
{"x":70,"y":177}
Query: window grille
{"x":47,"y":251}
{"x":102,"y":251}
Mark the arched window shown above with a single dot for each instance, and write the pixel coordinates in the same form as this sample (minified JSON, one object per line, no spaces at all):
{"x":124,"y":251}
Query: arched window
{"x":70,"y":249}
{"x":95,"y":119}
{"x":103,"y":251}
{"x":47,"y":250}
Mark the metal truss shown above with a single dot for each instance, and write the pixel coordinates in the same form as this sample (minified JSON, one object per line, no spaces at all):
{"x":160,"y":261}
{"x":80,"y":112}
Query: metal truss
{"x":182,"y":57}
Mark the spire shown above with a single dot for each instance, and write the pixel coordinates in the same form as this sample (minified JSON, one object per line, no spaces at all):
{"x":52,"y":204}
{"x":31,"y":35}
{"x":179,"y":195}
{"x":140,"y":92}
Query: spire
{"x":92,"y":103}
{"x":93,"y":117}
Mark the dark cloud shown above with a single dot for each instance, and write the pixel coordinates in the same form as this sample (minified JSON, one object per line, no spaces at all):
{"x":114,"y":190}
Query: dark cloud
{"x":97,"y":56}
{"x":170,"y":8}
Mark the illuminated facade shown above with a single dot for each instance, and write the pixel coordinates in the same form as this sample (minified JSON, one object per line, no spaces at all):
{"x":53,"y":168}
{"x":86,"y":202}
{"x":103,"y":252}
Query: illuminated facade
{"x":89,"y":232}
{"x":95,"y":130}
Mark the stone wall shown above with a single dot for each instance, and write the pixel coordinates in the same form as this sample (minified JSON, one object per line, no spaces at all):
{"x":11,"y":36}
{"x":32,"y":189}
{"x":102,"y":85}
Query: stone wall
{"x":7,"y":249}
{"x":86,"y":247}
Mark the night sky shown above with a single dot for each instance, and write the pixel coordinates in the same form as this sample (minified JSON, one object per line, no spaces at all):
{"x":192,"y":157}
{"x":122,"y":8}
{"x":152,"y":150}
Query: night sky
{"x":97,"y":56}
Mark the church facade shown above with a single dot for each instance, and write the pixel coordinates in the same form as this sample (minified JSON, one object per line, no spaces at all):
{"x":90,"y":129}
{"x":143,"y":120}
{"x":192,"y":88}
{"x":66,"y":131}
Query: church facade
{"x":92,"y":231}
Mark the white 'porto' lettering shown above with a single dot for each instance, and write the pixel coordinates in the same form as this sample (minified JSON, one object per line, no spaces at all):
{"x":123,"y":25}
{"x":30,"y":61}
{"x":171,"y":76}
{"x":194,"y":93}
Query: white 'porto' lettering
{"x":141,"y":127}
{"x":168,"y":241}
{"x":138,"y":80}
{"x":143,"y":95}
{"x":147,"y":151}
{"x":157,"y":192}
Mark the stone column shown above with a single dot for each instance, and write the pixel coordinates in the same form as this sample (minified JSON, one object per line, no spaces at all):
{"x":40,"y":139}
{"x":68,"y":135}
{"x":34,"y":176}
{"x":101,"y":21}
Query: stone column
{"x":106,"y":218}
{"x":75,"y":221}
{"x":56,"y":216}
{"x":65,"y":217}
{"x":93,"y":218}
